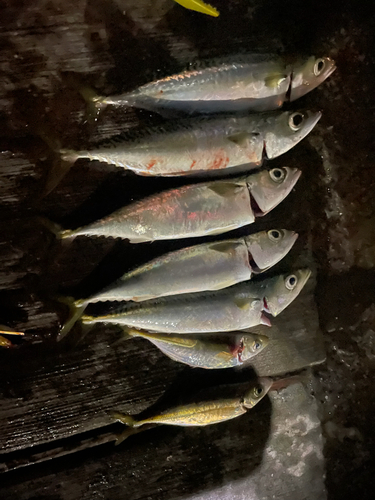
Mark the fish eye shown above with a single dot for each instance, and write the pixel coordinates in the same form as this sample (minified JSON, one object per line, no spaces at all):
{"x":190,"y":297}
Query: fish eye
{"x":319,"y":66}
{"x":277,"y":174}
{"x":258,"y":391}
{"x":257,"y":345}
{"x":291,"y":282}
{"x":274,"y":235}
{"x":296,"y":121}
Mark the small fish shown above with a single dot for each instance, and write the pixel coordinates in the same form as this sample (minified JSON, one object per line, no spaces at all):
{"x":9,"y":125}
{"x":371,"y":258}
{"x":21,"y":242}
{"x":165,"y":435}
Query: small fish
{"x":203,"y":144}
{"x":199,"y":6}
{"x":195,"y":210}
{"x":202,"y":352}
{"x":235,"y":308}
{"x":256,"y":82}
{"x":210,"y":266}
{"x":206,"y":413}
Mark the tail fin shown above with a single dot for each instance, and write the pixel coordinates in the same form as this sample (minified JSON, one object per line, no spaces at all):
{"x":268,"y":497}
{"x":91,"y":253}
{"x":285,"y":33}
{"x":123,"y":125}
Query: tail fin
{"x":60,"y":167}
{"x":62,"y":162}
{"x":94,"y":103}
{"x":56,"y":229}
{"x":125,"y":419}
{"x":77,"y":308}
{"x":199,"y":6}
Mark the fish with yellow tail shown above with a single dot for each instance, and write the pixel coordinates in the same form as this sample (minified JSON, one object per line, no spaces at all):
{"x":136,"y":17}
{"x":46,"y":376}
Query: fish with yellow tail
{"x":208,"y":412}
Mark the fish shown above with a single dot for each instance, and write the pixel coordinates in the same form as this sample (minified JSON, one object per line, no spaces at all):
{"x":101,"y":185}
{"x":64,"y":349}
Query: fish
{"x":257,"y":82}
{"x":209,"y":266}
{"x":195,"y":210}
{"x":199,"y":6}
{"x":207,"y":412}
{"x":203,"y":352}
{"x":238,"y":307}
{"x":198,"y":145}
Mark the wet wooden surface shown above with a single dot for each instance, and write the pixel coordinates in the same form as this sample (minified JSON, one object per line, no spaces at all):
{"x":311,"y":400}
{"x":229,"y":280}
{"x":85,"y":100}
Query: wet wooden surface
{"x":56,"y":399}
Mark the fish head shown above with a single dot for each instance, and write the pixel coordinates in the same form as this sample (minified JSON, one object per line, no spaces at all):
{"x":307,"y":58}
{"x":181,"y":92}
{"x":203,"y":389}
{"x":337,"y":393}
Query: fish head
{"x":282,"y":290}
{"x":257,"y":392}
{"x":309,"y":74}
{"x":268,"y":188}
{"x":252,"y":344}
{"x":267,"y":248}
{"x":284,"y":130}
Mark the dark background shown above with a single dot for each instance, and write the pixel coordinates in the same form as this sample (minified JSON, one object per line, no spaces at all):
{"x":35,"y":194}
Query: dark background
{"x":48,"y":51}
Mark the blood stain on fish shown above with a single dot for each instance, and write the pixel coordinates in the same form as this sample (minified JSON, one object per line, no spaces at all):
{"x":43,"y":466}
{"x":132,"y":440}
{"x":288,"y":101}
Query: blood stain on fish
{"x":151,"y":164}
{"x":221,"y":160}
{"x":193,"y":164}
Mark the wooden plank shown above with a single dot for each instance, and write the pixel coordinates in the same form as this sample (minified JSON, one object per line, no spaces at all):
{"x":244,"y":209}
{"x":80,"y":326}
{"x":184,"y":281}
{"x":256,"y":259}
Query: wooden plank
{"x":229,"y":460}
{"x":74,"y":390}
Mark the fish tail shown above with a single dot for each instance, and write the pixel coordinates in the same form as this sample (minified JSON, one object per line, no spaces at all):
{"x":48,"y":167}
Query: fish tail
{"x":199,"y":6}
{"x":126,"y":419}
{"x":95,"y":103}
{"x":124,"y":435}
{"x":61,"y":163}
{"x":56,"y":229}
{"x":76,"y":310}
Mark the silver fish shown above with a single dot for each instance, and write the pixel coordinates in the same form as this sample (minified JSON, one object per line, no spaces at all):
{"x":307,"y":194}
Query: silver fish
{"x":236,"y":308}
{"x":202,"y":352}
{"x":257,"y":83}
{"x":196,"y":210}
{"x":207,"y":412}
{"x":209,"y":266}
{"x":202,"y":144}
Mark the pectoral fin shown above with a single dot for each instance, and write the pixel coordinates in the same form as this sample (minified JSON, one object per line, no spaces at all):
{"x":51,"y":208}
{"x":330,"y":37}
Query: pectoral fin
{"x":223,"y":246}
{"x":241,"y":139}
{"x":224,"y":189}
{"x":274,"y":80}
{"x":242,"y":303}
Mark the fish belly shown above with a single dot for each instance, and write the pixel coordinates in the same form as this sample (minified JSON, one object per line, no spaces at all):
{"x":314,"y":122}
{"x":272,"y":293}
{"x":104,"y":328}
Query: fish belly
{"x":212,"y":356}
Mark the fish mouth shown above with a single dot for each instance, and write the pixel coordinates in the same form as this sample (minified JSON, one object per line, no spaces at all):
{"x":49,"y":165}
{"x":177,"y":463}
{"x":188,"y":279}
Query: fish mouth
{"x":305,"y":278}
{"x":312,"y":120}
{"x":332,"y":68}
